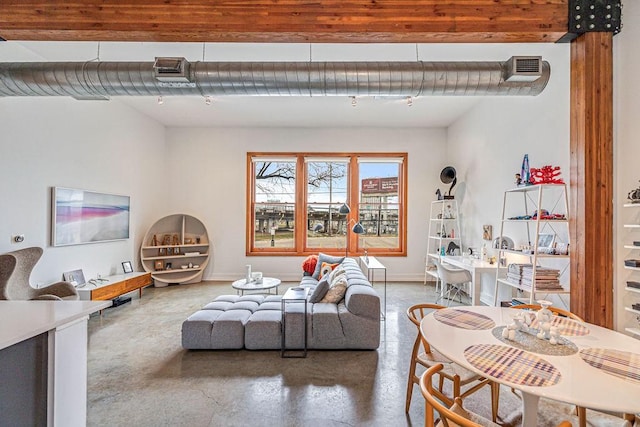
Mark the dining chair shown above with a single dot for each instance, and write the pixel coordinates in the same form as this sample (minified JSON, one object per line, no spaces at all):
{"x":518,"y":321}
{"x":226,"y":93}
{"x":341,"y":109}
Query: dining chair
{"x":453,"y":281}
{"x":455,"y":414}
{"x":429,"y":357}
{"x":555,"y":310}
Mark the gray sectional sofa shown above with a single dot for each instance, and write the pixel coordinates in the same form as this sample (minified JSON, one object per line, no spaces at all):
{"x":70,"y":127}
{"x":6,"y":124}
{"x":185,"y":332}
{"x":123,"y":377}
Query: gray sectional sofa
{"x":254,"y":321}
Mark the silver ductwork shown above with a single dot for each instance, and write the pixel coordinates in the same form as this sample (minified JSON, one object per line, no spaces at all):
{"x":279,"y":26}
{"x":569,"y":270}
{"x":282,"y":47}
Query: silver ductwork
{"x":101,"y":80}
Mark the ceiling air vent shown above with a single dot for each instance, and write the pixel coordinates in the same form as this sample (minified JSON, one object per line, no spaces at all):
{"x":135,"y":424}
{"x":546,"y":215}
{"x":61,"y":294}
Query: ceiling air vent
{"x":523,"y":69}
{"x":173,"y":70}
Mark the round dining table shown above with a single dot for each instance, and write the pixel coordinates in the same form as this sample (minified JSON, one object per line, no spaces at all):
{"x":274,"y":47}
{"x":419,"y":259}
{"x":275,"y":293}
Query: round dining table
{"x":590,"y":366}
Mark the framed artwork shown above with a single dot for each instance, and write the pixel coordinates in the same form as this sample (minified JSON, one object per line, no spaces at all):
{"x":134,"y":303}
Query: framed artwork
{"x":159,"y":265}
{"x":487,"y":232}
{"x":80,"y":216}
{"x":127,"y":267}
{"x":75,"y":277}
{"x":545,"y":242}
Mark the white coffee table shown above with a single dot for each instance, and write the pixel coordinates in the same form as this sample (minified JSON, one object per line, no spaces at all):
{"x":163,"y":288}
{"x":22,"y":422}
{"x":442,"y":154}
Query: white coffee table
{"x":267,"y":284}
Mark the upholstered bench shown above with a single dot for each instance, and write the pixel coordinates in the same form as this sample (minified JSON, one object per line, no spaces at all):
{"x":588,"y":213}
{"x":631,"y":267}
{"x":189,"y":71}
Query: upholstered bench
{"x":225,"y":322}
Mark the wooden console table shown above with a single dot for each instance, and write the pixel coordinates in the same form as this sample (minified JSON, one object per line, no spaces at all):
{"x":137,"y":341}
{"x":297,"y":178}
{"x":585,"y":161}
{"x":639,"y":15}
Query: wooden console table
{"x":114,"y":286}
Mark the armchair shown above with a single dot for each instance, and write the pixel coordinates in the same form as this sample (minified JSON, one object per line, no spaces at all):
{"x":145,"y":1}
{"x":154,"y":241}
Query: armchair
{"x":15,"y":270}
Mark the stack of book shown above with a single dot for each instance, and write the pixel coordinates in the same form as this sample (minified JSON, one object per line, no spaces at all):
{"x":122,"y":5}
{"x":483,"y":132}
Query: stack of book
{"x":522,"y":275}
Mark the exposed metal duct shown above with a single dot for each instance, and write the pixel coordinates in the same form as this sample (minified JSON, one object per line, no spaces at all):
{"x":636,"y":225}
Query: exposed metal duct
{"x":100,"y":80}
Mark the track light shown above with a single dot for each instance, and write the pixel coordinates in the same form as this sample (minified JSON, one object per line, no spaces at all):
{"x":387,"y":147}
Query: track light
{"x":409,"y":101}
{"x":160,"y":100}
{"x":207,"y":100}
{"x":354,"y":101}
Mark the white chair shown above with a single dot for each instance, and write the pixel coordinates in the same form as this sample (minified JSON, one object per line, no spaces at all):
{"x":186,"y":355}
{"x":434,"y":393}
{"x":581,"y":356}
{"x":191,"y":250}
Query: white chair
{"x":453,"y":282}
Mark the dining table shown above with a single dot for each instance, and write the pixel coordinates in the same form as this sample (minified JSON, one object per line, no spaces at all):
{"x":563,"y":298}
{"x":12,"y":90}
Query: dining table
{"x":589,"y":366}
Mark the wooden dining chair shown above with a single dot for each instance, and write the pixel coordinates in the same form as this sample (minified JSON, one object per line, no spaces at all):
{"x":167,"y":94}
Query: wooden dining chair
{"x":555,"y":310}
{"x":429,"y":357}
{"x":456,"y":414}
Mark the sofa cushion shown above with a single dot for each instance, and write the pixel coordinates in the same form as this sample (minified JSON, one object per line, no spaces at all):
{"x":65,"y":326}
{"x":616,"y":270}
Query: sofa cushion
{"x":325,"y":258}
{"x":327,"y":268}
{"x":320,"y":291}
{"x":335,"y":294}
{"x":309,"y":265}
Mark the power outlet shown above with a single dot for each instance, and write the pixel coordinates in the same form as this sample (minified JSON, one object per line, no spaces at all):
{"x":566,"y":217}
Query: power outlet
{"x":18,"y":238}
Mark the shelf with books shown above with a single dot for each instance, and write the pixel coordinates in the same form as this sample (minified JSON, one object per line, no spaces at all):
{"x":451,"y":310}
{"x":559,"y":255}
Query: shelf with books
{"x":547,"y":235}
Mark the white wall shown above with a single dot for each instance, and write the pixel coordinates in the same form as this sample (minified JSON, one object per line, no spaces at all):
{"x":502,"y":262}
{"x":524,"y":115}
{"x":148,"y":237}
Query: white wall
{"x":487,"y":145}
{"x":627,"y":157}
{"x":99,"y":146}
{"x":209,"y":182}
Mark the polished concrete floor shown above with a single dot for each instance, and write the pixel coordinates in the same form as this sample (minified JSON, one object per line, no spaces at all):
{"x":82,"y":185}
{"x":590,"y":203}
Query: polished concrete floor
{"x":139,"y":375}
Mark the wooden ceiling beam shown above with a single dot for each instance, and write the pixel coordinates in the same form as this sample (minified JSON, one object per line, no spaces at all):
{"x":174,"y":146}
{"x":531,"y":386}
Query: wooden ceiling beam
{"x":320,"y":21}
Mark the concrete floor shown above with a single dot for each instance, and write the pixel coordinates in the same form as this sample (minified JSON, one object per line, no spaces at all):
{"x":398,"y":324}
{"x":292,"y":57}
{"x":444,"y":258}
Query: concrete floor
{"x":139,"y":375}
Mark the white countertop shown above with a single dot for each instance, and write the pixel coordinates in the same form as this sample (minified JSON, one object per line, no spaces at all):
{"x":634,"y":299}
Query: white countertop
{"x":22,"y":320}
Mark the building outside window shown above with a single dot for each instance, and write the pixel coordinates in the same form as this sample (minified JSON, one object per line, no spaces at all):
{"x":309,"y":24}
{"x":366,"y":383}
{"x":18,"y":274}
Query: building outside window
{"x":292,"y":215}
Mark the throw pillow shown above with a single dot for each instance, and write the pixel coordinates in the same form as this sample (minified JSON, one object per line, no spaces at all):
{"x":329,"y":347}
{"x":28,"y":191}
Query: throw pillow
{"x":320,"y":291}
{"x":325,"y":258}
{"x":326,"y":269}
{"x":335,"y":294}
{"x":309,"y":265}
{"x":336,"y":272}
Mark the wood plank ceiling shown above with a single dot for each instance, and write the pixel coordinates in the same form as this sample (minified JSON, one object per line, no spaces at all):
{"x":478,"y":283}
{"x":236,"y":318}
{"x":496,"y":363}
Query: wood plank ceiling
{"x":384,"y":21}
{"x":319,"y":21}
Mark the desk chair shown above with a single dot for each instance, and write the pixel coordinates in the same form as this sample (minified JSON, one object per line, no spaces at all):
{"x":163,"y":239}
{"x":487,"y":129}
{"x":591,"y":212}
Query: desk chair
{"x":455,"y":415}
{"x":456,"y":374}
{"x":453,"y":281}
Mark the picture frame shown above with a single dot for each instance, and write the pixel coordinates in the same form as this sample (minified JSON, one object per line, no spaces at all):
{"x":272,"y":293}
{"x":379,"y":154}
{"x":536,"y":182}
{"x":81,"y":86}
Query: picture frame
{"x":159,"y":265}
{"x":82,"y":216}
{"x":167,"y":266}
{"x":75,"y":277}
{"x":162,"y":251}
{"x":487,"y":232}
{"x":546,"y":242}
{"x":127,"y":267}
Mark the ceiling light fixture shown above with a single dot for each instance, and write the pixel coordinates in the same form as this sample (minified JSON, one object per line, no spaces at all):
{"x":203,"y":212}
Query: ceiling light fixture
{"x":354,"y":101}
{"x":160,"y":100}
{"x":207,"y":100}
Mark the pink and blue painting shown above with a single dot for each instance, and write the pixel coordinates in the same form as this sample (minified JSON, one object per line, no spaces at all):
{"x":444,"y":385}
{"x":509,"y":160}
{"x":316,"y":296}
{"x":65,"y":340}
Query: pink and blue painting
{"x":81,"y":216}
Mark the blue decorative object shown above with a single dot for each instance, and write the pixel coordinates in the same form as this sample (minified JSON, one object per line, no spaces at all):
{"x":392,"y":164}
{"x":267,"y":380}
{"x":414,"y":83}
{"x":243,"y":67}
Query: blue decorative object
{"x":525,"y":173}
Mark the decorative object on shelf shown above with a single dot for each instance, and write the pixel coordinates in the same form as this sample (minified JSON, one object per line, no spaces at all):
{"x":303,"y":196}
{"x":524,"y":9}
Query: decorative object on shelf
{"x":154,"y":240}
{"x":507,"y":243}
{"x":546,"y":243}
{"x":198,"y":240}
{"x":632,"y":262}
{"x":176,"y":228}
{"x":127,"y":267}
{"x":525,"y":174}
{"x":452,"y":248}
{"x":438,"y":194}
{"x":75,"y":277}
{"x":546,"y":175}
{"x":634,"y":196}
{"x":448,"y":176}
{"x":518,"y":180}
{"x":159,"y":265}
{"x":487,"y":232}
{"x":167,"y":266}
{"x":188,"y":241}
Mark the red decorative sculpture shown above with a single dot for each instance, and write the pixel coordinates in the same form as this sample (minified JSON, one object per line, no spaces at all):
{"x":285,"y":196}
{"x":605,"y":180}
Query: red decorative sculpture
{"x":546,"y":175}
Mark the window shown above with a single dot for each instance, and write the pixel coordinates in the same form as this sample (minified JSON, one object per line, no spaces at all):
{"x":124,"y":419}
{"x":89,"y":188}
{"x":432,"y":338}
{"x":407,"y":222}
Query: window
{"x":298,"y":203}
